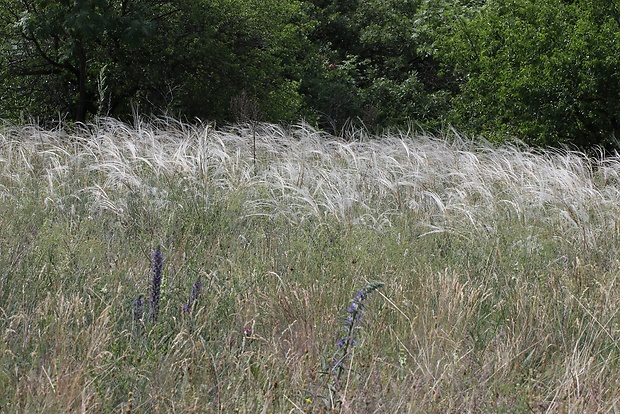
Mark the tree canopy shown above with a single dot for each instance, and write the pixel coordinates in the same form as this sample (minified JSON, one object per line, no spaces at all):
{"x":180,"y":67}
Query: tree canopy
{"x":545,"y":72}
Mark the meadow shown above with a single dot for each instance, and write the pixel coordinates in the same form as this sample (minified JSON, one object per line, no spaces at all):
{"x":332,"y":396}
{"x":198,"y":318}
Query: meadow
{"x":499,"y":270}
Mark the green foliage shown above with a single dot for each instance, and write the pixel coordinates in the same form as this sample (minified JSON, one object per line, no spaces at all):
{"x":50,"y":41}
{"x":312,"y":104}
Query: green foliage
{"x":54,"y":50}
{"x":240,"y":48}
{"x":543,"y":71}
{"x":181,"y":57}
{"x":402,"y":82}
{"x":375,"y":65}
{"x":500,"y":268}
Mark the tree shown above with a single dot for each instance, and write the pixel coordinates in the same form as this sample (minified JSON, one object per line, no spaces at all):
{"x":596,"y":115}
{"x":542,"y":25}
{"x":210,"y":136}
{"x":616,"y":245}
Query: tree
{"x":53,"y":50}
{"x":229,"y":49}
{"x":404,"y":80}
{"x":184,"y":57}
{"x":376,"y":64}
{"x":543,"y":71}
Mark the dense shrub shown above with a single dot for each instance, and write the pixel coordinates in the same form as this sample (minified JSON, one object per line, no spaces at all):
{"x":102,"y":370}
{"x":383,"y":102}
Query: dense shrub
{"x":543,"y":71}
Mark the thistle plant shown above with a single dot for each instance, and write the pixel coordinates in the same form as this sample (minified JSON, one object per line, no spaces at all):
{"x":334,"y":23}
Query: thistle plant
{"x":352,"y":322}
{"x":156,"y":279}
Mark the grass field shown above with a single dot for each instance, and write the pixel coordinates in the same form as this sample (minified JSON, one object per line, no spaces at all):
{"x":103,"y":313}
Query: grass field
{"x":500,"y":270}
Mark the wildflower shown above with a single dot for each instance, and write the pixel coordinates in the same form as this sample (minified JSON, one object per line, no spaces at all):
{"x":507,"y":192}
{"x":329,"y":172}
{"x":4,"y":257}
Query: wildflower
{"x":156,"y":279}
{"x":138,"y":308}
{"x":196,"y":291}
{"x":354,"y":317}
{"x":247,"y":331}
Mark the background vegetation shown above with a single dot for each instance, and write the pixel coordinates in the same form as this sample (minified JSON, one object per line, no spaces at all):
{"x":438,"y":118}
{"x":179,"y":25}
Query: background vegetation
{"x":498,"y":262}
{"x":499,"y":266}
{"x":545,"y":72}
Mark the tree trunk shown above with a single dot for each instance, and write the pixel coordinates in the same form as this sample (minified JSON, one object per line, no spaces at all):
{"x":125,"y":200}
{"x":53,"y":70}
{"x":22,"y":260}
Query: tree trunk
{"x":80,"y":115}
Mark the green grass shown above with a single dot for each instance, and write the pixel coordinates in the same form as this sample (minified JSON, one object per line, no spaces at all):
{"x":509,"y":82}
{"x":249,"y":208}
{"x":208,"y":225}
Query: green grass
{"x":500,"y":268}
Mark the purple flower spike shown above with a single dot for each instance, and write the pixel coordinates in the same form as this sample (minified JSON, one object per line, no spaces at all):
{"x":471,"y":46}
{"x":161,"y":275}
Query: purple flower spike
{"x":138,"y":308}
{"x":196,"y":291}
{"x":353,"y":318}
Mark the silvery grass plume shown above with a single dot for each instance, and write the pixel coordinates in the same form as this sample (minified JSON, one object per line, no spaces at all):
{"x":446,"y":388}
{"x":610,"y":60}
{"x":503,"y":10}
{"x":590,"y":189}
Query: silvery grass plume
{"x":352,"y":321}
{"x":156,"y":279}
{"x":452,"y":185}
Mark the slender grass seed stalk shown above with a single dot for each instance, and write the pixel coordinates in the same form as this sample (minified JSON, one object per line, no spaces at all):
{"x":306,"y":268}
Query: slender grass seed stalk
{"x":156,"y":279}
{"x":502,"y":262}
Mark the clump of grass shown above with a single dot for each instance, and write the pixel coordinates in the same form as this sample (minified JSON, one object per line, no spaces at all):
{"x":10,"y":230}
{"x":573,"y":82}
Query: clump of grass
{"x":500,"y":266}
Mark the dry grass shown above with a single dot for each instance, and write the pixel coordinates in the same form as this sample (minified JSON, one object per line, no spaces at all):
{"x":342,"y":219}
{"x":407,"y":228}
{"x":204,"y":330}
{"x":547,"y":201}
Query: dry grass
{"x":500,"y":271}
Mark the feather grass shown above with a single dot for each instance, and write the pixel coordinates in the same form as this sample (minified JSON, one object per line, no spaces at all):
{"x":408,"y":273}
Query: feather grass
{"x":500,"y":269}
